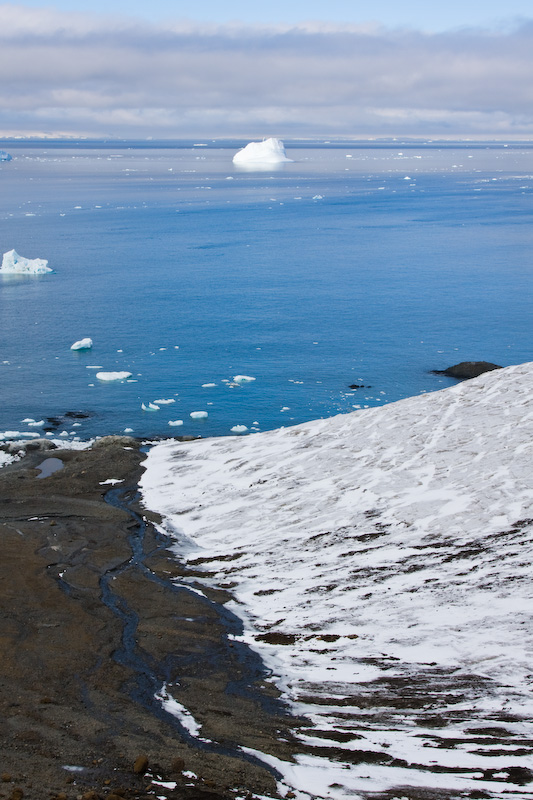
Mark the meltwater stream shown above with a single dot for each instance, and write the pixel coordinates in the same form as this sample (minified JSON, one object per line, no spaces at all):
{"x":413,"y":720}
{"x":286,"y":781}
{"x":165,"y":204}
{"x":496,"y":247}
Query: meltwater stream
{"x":148,"y":687}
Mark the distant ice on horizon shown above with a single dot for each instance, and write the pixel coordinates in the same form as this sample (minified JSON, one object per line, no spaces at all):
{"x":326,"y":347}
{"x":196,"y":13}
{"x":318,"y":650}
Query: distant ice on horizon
{"x":13,"y":263}
{"x":269,"y":151}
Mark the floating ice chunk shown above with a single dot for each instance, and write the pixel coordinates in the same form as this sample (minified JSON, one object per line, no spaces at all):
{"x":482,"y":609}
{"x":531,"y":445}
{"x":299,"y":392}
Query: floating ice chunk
{"x":82,"y":344}
{"x":208,"y":385}
{"x":175,"y":422}
{"x":242,"y":378}
{"x":164,"y":402}
{"x":94,"y":366}
{"x":198,"y":414}
{"x":36,"y":424}
{"x":128,"y":430}
{"x":113,"y":376}
{"x":111,"y":481}
{"x":269,"y":151}
{"x":239,"y":429}
{"x":12,"y":262}
{"x":4,"y":156}
{"x":149,"y":407}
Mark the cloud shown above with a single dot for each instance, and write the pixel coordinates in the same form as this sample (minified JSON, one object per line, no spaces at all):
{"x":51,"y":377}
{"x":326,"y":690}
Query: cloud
{"x":104,"y":76}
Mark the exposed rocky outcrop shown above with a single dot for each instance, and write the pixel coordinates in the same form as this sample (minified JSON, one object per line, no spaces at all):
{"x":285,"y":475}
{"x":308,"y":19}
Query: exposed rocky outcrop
{"x":467,"y":369}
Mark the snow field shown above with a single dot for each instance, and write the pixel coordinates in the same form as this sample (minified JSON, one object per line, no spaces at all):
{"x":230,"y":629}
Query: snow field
{"x":382,"y":567}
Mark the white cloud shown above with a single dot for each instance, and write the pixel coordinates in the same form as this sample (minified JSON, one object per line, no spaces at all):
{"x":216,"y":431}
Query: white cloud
{"x":110,"y":75}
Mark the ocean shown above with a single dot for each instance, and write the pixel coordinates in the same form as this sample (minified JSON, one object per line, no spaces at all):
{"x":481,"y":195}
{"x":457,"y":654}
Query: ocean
{"x":358,"y":263}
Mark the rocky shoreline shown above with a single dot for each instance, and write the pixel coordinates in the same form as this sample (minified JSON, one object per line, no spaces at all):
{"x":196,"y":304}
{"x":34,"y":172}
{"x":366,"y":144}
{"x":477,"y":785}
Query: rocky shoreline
{"x":94,"y":624}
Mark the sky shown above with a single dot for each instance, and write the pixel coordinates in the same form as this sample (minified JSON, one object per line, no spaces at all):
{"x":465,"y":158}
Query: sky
{"x":302,"y":68}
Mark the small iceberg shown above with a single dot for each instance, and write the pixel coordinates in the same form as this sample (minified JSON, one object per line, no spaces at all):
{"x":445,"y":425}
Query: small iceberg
{"x":175,"y":422}
{"x":149,"y":407}
{"x":198,"y":414}
{"x":4,"y":156}
{"x":13,"y":263}
{"x":239,"y":429}
{"x":83,"y":344}
{"x":113,"y":376}
{"x":243,"y":379}
{"x":269,"y":151}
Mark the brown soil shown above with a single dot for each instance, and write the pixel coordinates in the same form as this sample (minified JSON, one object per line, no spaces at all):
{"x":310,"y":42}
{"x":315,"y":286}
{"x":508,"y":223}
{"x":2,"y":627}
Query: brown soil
{"x":92,"y":625}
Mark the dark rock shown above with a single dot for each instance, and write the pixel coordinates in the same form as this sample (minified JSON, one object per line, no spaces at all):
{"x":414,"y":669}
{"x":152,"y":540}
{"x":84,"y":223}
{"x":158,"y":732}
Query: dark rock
{"x":40,"y":444}
{"x":277,"y":638}
{"x":141,"y":765}
{"x":466,"y":369}
{"x":178,"y":764}
{"x":520,"y":775}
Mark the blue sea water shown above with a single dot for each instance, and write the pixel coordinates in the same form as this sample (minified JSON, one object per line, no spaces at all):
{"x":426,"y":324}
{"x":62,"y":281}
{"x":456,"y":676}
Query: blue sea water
{"x":358,"y":263}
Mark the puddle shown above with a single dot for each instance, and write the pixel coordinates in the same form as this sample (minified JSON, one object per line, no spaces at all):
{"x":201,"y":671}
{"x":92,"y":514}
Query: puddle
{"x":49,"y":466}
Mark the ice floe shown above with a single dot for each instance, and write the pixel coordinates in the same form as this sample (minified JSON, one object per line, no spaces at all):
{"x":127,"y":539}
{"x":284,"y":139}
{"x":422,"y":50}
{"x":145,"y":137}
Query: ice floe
{"x":13,"y":263}
{"x":381,"y":563}
{"x":4,"y":156}
{"x":82,"y":344}
{"x":198,"y":414}
{"x":113,"y":376}
{"x":175,"y":422}
{"x":239,"y":429}
{"x":243,"y":379}
{"x":269,"y":151}
{"x":149,"y":407}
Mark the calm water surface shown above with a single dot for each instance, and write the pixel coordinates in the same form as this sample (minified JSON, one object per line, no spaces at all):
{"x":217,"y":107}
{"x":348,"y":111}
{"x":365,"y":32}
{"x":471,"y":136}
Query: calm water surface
{"x":353,"y":264}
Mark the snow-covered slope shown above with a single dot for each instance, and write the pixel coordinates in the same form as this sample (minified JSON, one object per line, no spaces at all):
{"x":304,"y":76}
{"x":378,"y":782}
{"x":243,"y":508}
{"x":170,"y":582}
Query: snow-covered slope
{"x":382,"y":562}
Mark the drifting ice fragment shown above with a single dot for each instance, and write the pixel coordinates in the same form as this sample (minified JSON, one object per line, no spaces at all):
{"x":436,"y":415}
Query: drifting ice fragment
{"x":239,"y":429}
{"x":243,"y":378}
{"x":269,"y":151}
{"x":113,"y":376}
{"x":198,"y":414}
{"x":164,"y":402}
{"x":149,"y":407}
{"x":83,"y":344}
{"x":175,"y":422}
{"x":12,"y":262}
{"x":4,"y":156}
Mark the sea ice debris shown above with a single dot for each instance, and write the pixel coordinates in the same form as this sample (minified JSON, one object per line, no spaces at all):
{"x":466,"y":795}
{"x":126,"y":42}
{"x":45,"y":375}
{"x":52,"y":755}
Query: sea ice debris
{"x":4,"y":156}
{"x":113,"y":376}
{"x":242,"y":378}
{"x":269,"y":151}
{"x":12,"y":262}
{"x":82,"y":344}
{"x":164,"y":402}
{"x":198,"y":414}
{"x":239,"y":429}
{"x":175,"y":422}
{"x":149,"y":407}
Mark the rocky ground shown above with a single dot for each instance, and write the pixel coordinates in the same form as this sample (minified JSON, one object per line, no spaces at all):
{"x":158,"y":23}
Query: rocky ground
{"x":92,"y":625}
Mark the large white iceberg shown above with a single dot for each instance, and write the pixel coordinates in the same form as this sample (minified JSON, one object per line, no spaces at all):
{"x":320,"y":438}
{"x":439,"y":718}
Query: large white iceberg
{"x":269,"y":151}
{"x":4,"y":156}
{"x":12,"y":262}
